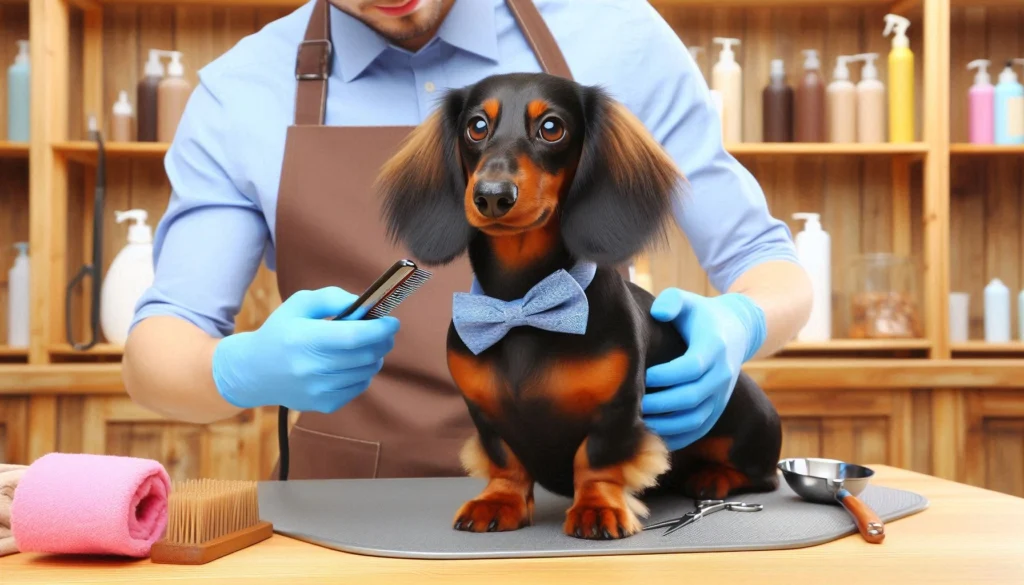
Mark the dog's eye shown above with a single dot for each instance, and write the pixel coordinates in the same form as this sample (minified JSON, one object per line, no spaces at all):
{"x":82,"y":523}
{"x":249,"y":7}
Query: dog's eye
{"x":477,"y":129}
{"x":552,"y":130}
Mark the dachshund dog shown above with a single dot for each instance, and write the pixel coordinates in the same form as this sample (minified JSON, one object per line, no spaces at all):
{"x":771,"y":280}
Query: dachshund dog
{"x":531,"y":174}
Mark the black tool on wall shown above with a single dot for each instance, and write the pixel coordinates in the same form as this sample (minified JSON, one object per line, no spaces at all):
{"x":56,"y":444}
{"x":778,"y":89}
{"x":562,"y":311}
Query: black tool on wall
{"x":398,"y":282}
{"x":95,"y":268}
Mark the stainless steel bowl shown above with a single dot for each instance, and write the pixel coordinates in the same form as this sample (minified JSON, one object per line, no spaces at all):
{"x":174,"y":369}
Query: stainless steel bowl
{"x":818,"y":480}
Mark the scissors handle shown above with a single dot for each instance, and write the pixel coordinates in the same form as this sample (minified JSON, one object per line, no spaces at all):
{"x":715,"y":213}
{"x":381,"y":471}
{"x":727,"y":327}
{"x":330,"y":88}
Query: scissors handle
{"x":743,"y":507}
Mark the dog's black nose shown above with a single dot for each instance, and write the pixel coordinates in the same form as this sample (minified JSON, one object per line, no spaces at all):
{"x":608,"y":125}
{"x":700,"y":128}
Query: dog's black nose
{"x":495,"y":198}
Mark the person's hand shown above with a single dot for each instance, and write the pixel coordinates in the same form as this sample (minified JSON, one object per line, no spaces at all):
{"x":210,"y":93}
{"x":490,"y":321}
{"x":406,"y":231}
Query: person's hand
{"x":722,"y":333}
{"x":300,"y":360}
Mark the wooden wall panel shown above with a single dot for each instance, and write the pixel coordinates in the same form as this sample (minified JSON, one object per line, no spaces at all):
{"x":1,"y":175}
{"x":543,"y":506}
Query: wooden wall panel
{"x":986,"y":192}
{"x":14,"y":430}
{"x":853,"y":194}
{"x":994,"y":450}
{"x":867,"y":427}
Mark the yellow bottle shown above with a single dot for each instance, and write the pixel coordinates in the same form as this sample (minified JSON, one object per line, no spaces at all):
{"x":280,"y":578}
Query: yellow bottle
{"x":901,"y":80}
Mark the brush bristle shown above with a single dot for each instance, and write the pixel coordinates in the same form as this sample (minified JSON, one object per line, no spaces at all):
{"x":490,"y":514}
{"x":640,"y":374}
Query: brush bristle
{"x":418,"y":278}
{"x":201,"y":510}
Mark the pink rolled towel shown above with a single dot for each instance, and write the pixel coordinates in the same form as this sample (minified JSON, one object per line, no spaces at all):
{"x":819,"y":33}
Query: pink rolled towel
{"x":91,"y":504}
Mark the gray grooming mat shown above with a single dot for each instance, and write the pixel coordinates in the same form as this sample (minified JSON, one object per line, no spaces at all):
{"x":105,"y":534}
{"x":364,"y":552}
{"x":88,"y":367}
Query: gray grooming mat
{"x":412,"y":518}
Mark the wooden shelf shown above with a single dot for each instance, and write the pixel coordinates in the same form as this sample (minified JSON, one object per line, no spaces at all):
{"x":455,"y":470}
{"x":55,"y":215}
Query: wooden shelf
{"x":777,"y":3}
{"x":1013,"y":347}
{"x":104,"y":349}
{"x":856,"y":345}
{"x":963,"y":149}
{"x":825,"y":149}
{"x":13,"y":149}
{"x":91,"y":379}
{"x":7,"y":351}
{"x":84,"y":151}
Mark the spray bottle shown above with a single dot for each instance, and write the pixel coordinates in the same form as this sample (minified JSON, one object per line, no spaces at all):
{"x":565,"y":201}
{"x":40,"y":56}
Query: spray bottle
{"x":814,"y":251}
{"x":130,"y":274}
{"x":981,"y":103}
{"x":870,"y":102}
{"x":901,"y":80}
{"x":842,"y":104}
{"x":727,"y":78}
{"x":1009,"y":107}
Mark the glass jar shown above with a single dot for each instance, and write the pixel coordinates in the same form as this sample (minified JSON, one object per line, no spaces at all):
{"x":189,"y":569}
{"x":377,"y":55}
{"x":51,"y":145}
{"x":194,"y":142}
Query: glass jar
{"x":884,"y":298}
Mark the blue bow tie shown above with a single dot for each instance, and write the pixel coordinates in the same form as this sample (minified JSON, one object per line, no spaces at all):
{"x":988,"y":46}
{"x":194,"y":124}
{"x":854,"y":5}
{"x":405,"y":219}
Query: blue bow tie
{"x":556,"y":303}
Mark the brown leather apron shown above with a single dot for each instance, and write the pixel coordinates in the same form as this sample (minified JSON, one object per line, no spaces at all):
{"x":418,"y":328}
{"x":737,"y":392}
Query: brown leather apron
{"x":412,"y":420}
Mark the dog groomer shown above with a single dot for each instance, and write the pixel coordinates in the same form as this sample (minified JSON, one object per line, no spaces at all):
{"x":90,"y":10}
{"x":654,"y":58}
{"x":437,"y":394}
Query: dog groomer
{"x":274,"y":159}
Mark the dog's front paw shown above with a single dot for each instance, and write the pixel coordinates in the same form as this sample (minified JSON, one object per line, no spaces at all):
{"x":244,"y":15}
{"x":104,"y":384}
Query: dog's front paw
{"x":495,"y":512}
{"x":600,"y":518}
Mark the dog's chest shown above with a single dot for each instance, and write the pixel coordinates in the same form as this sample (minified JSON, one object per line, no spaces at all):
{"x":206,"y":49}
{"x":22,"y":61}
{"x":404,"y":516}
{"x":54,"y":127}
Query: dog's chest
{"x":530,"y":372}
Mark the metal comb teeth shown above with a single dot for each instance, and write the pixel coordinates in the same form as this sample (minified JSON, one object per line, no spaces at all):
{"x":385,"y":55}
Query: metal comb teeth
{"x":418,"y":278}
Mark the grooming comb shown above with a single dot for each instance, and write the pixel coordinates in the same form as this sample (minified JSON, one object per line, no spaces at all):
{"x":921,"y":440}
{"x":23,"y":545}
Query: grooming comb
{"x":207,"y":519}
{"x":386,"y":293}
{"x":393,"y":287}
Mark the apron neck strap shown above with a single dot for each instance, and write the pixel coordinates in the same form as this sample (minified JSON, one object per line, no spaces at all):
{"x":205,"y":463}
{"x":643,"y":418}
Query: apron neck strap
{"x":315,"y":53}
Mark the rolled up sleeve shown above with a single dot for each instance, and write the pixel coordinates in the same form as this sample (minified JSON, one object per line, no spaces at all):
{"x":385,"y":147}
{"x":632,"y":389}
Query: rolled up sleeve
{"x":723,"y":212}
{"x":211,"y":239}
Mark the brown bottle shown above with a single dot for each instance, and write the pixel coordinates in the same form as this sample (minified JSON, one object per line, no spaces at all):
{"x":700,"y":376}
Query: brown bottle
{"x":777,"y":106}
{"x":145,"y":101}
{"x":809,"y":106}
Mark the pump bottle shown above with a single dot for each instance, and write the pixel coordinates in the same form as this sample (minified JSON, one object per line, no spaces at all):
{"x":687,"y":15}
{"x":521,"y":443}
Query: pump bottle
{"x":901,"y":80}
{"x":130,"y":274}
{"x":18,"y":96}
{"x":777,"y":106}
{"x":146,"y":98}
{"x":716,"y":96}
{"x":809,"y":104}
{"x":18,"y":298}
{"x":727,"y":78}
{"x":814,"y":251}
{"x":981,"y":103}
{"x":842,"y":104}
{"x":870,"y":102}
{"x":172,"y":96}
{"x":1009,"y":108}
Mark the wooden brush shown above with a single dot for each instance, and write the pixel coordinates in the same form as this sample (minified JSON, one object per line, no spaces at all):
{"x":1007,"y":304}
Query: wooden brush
{"x":209,"y":518}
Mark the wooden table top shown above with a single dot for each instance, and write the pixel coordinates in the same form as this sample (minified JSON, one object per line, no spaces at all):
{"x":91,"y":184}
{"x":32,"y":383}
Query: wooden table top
{"x":966,"y":536}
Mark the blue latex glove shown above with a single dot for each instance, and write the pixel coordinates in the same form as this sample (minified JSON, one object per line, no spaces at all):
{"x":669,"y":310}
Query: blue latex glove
{"x":301,"y":361}
{"x":722,"y":333}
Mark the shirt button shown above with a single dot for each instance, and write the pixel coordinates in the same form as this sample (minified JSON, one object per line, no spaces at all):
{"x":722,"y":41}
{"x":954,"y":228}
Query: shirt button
{"x":429,"y":86}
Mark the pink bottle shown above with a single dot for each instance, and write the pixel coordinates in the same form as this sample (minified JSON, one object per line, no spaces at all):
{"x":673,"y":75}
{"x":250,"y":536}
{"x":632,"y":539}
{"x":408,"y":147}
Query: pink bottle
{"x":982,"y":104}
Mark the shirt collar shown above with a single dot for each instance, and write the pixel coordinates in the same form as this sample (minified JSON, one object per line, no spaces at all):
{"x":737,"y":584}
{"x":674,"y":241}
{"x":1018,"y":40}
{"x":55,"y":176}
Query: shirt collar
{"x":469,"y":26}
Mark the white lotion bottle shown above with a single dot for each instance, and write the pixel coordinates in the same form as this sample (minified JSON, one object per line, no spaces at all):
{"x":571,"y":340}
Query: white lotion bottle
{"x":18,"y":298}
{"x":727,"y":79}
{"x":130,"y":275}
{"x":997,"y":312}
{"x":814,"y":251}
{"x":871,"y":102}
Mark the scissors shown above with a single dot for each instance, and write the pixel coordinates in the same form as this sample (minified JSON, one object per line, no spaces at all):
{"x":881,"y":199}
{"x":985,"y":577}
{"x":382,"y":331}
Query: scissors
{"x":703,"y":508}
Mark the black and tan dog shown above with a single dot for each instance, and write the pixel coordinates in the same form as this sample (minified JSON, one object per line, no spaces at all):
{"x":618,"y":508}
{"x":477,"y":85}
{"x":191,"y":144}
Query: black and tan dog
{"x":530,"y":174}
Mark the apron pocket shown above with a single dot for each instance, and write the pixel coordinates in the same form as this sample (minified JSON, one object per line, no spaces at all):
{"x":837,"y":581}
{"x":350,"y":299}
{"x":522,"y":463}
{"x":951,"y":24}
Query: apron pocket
{"x":316,"y":455}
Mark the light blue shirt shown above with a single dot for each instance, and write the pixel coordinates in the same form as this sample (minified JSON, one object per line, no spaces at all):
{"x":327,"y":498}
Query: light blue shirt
{"x":224,"y":164}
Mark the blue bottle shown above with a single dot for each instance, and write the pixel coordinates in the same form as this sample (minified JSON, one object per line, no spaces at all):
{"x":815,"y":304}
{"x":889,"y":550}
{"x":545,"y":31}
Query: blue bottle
{"x":17,"y":96}
{"x":1009,"y":117}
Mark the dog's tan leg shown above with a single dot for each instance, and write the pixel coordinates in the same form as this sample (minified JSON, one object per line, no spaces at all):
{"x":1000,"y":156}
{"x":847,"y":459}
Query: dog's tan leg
{"x":506,"y":502}
{"x":605,"y":504}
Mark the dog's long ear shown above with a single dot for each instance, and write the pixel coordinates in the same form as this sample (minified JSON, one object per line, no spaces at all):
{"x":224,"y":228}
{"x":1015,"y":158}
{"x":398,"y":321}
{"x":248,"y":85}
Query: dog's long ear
{"x":621,"y":196}
{"x":423,"y":186}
